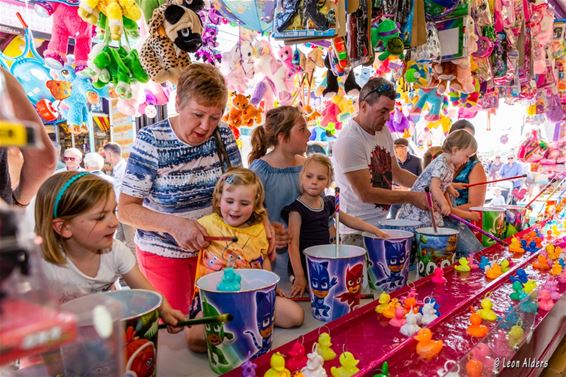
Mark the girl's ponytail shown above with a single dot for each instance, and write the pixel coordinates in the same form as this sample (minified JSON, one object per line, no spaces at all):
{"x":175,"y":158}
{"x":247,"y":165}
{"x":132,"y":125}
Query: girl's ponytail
{"x":259,"y":144}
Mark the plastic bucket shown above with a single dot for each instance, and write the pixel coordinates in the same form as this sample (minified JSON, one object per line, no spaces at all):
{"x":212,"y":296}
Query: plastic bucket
{"x":406,"y":225}
{"x":388,"y":259}
{"x":492,"y":220}
{"x":435,"y":249}
{"x":515,"y":219}
{"x":249,"y":333}
{"x":335,"y":282}
{"x":98,"y":347}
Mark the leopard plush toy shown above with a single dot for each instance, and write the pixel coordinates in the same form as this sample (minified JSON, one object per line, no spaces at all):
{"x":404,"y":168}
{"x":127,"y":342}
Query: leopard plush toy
{"x":175,"y":30}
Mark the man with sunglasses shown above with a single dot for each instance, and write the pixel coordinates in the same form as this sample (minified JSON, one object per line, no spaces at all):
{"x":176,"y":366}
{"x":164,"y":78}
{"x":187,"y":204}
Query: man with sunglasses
{"x":365,"y":162}
{"x":72,"y":157}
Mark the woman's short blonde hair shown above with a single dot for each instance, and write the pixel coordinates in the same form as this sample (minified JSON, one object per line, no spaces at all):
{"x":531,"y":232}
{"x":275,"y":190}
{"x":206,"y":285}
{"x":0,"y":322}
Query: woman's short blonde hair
{"x":241,"y":177}
{"x":81,"y":195}
{"x":204,"y":83}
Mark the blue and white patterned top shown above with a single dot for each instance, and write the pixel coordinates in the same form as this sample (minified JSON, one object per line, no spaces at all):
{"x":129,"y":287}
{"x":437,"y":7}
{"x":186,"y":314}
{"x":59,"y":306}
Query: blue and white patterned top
{"x":173,"y":177}
{"x":439,"y":168}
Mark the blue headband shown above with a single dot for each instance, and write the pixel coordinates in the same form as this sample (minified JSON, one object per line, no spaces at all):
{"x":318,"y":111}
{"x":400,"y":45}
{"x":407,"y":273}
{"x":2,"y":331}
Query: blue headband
{"x":63,"y":189}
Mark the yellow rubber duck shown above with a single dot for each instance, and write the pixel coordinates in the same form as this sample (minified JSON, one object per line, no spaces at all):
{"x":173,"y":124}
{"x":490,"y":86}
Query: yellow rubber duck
{"x":515,"y":336}
{"x":277,"y":369}
{"x":389,"y":312}
{"x":348,"y":366}
{"x":504,"y":264}
{"x":486,"y":313}
{"x":515,"y":247}
{"x":494,"y":271}
{"x":463,"y":266}
{"x":324,"y":347}
{"x":551,"y":252}
{"x":529,"y":286}
{"x":427,"y":348}
{"x":556,"y":269}
{"x":383,"y":300}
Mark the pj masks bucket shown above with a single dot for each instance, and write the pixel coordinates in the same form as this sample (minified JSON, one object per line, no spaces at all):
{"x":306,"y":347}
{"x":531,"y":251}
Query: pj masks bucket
{"x":407,"y":225}
{"x":335,"y":282}
{"x":435,"y":249}
{"x":492,"y":220}
{"x":248,"y":335}
{"x":388,"y":259}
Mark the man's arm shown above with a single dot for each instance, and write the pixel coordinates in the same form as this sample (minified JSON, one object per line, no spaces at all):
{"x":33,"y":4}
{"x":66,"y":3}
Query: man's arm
{"x":39,"y":163}
{"x":360,"y":181}
{"x":400,"y":175}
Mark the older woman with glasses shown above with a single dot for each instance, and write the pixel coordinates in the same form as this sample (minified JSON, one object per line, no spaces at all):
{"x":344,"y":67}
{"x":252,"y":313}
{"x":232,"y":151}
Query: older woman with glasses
{"x":365,"y":162}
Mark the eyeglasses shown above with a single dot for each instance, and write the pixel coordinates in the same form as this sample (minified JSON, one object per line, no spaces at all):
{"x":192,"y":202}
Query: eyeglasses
{"x":69,"y":158}
{"x":380,"y":89}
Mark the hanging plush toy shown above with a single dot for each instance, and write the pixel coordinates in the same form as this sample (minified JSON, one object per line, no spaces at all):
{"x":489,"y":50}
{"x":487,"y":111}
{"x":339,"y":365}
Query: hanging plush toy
{"x":174,"y":31}
{"x":66,"y":24}
{"x":276,"y":81}
{"x":116,"y":15}
{"x":238,"y":65}
{"x":386,"y":37}
{"x":208,"y":52}
{"x":532,"y":149}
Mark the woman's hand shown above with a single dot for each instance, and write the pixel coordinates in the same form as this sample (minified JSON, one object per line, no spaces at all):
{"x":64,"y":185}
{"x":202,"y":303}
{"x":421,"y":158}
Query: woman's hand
{"x":299,"y":286}
{"x":171,"y":316}
{"x":188,"y":234}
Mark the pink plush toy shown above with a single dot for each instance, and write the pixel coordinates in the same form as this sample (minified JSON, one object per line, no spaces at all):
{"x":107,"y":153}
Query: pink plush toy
{"x":67,"y":24}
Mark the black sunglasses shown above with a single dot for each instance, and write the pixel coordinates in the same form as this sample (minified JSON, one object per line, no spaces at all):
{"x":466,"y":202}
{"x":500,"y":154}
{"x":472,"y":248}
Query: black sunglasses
{"x":380,"y":89}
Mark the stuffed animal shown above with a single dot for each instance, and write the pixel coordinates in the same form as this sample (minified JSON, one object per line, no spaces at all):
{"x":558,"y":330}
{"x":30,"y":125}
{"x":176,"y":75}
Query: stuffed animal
{"x":67,"y":24}
{"x":117,"y":15}
{"x":174,"y":31}
{"x":350,"y":85}
{"x":238,"y":64}
{"x":385,"y":37}
{"x":276,"y":78}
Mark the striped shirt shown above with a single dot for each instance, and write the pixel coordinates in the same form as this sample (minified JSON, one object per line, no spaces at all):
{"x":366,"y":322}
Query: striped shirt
{"x":175,"y":178}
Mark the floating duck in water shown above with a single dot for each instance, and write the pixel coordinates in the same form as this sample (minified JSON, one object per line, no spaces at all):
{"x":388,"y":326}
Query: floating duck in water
{"x":348,"y":366}
{"x":427,"y":348}
{"x":399,"y":319}
{"x":515,"y":336}
{"x":541,"y":263}
{"x":438,"y":276}
{"x":486,"y":313}
{"x":545,"y":300}
{"x":410,"y":327}
{"x":494,"y":271}
{"x":389,"y":312}
{"x":383,"y":300}
{"x":324,"y":348}
{"x":277,"y":369}
{"x":556,"y":269}
{"x":529,"y":286}
{"x":518,"y":292}
{"x":462,"y":265}
{"x":476,"y":329}
{"x":504,"y":264}
{"x":520,"y":276}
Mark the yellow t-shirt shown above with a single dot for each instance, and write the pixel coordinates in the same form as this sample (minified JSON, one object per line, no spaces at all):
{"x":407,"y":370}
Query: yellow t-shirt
{"x":248,"y":252}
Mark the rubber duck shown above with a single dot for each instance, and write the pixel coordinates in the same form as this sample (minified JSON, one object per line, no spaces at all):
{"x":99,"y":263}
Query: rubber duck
{"x":504,"y":264}
{"x":384,"y":371}
{"x":518,"y":292}
{"x":552,"y":286}
{"x":277,"y":369}
{"x":474,"y":368}
{"x":324,"y":347}
{"x":510,"y":318}
{"x":438,"y":276}
{"x":520,"y":275}
{"x":248,"y":369}
{"x":389,"y":312}
{"x":410,"y":327}
{"x":486,"y":313}
{"x":427,"y":348}
{"x":515,"y":247}
{"x":434,"y":303}
{"x":348,"y":366}
{"x":500,"y":344}
{"x":515,"y":336}
{"x":399,"y":319}
{"x":493,"y":272}
{"x":472,"y":263}
{"x":383,"y":300}
{"x":562,"y":277}
{"x":544,"y":300}
{"x":528,"y":306}
{"x":296,"y":358}
{"x":529,"y":286}
{"x":231,"y":281}
{"x":315,"y":362}
{"x":484,"y":263}
{"x":462,"y":265}
{"x":553,"y":252}
{"x":410,"y":304}
{"x":541,"y":263}
{"x":476,"y":329}
{"x":481,"y":352}
{"x":429,"y":314}
{"x":556,"y":269}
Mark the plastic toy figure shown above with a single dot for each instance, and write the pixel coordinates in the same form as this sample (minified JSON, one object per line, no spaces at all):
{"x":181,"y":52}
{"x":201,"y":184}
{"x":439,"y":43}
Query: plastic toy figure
{"x":320,"y":286}
{"x":528,"y":306}
{"x":277,"y":367}
{"x":556,"y":269}
{"x":383,"y":300}
{"x":265,"y":302}
{"x":324,"y":347}
{"x":399,"y":319}
{"x":231,"y":281}
{"x":515,"y":336}
{"x":520,"y":276}
{"x":463,"y":265}
{"x":493,"y":272}
{"x":389,"y":312}
{"x":315,"y":362}
{"x":504,"y":264}
{"x":484,"y":263}
{"x":518,"y":292}
{"x":384,"y":370}
{"x":486,"y":313}
{"x":348,"y":366}
{"x":429,"y":314}
{"x":438,"y":276}
{"x":427,"y":348}
{"x":529,"y":286}
{"x":476,"y":329}
{"x":410,"y":327}
{"x":353,"y":285}
{"x":296,"y":358}
{"x":541,"y":263}
{"x":544,"y":300}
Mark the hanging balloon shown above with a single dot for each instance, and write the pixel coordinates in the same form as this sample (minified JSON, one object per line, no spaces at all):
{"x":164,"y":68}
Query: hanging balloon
{"x":254,"y":15}
{"x":436,"y":9}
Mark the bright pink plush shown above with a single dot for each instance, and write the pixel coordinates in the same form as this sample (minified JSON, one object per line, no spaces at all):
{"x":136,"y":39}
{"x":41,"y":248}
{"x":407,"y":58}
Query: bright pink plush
{"x":67,"y":24}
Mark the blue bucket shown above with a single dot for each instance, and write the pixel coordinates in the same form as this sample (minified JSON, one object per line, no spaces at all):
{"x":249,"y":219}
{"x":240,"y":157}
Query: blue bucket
{"x":248,"y":335}
{"x":388,"y":259}
{"x":335,"y":282}
{"x":408,"y":226}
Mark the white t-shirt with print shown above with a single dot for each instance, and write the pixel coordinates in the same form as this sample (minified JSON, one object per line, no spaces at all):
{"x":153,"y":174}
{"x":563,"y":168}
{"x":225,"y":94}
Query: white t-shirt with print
{"x":355,"y":149}
{"x":68,"y":282}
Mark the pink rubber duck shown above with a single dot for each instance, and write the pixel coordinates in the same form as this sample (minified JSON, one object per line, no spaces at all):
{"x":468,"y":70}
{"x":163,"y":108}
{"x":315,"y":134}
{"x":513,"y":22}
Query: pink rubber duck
{"x":481,"y":352}
{"x":500,"y":345}
{"x":399,"y":319}
{"x":562,"y":277}
{"x":296,"y":357}
{"x":472,"y":263}
{"x":438,"y":276}
{"x":545,"y":300}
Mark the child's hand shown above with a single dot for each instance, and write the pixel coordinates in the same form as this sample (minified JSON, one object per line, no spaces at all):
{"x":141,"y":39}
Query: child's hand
{"x":445,"y":209}
{"x":474,"y":216}
{"x":452,"y":191}
{"x":171,"y":316}
{"x":299,"y":286}
{"x":378,"y":232}
{"x":458,"y":185}
{"x":280,"y":292}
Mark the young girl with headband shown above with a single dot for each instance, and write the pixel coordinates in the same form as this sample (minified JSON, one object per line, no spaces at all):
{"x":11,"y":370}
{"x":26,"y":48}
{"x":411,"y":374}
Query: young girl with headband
{"x":75,"y":214}
{"x":238,"y":213}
